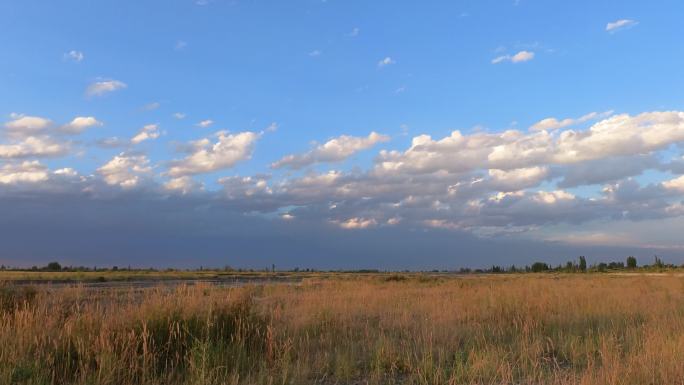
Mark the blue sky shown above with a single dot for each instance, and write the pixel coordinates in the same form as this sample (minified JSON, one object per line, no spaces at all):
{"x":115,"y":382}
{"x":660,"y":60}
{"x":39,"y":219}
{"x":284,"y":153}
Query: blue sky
{"x":275,"y":79}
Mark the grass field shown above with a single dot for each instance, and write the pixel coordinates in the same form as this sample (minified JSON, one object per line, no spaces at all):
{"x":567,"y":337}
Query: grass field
{"x":352,"y":329}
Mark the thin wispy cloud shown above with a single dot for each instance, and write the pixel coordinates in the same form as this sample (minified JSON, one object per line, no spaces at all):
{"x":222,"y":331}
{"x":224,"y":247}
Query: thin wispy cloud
{"x":74,"y":56}
{"x":179,"y":115}
{"x":151,"y":106}
{"x":180,"y":45}
{"x":520,"y":57}
{"x":205,"y":123}
{"x":315,"y":53}
{"x":619,"y":25}
{"x":354,"y":32}
{"x":104,"y":87}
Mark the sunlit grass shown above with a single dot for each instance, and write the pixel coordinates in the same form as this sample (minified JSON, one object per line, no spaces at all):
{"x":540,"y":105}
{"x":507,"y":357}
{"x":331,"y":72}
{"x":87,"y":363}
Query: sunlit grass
{"x":508,"y":329}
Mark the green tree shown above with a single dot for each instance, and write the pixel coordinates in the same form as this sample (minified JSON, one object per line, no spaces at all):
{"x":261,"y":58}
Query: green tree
{"x":631,"y":262}
{"x":53,"y":266}
{"x":582,"y":264}
{"x":538,"y":267}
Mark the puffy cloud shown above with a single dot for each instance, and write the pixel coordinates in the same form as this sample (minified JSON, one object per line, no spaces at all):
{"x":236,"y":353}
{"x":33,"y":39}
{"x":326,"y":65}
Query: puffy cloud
{"x":205,"y":156}
{"x":183,"y":184}
{"x":334,"y":150}
{"x":519,"y":57}
{"x":24,"y":172}
{"x":619,"y":135}
{"x":104,"y":87}
{"x":498,"y":183}
{"x":676,"y":184}
{"x":150,"y":131}
{"x":33,"y":146}
{"x":620,"y":24}
{"x":385,"y":62}
{"x":80,"y":124}
{"x":125,"y":170}
{"x":517,"y":179}
{"x":23,"y":125}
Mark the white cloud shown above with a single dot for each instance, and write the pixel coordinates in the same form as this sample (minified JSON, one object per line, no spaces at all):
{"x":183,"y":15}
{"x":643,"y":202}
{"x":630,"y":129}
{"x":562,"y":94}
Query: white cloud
{"x":356,"y":223}
{"x":22,"y":125}
{"x":124,"y":170}
{"x":354,"y":32}
{"x":75,"y":56}
{"x":205,"y":123}
{"x":150,"y":131}
{"x":675,"y":184}
{"x":183,"y":184}
{"x":33,"y":146}
{"x":385,"y":62}
{"x":554,"y":124}
{"x":228,"y":150}
{"x":103,"y":87}
{"x":334,"y":150}
{"x":519,"y":57}
{"x":179,"y":115}
{"x":618,"y":135}
{"x":25,"y":172}
{"x":620,"y":24}
{"x":315,"y":53}
{"x":80,"y":124}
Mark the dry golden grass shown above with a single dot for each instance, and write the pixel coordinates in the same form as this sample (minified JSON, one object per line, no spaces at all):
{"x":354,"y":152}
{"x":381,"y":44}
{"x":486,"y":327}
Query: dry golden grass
{"x":511,"y":329}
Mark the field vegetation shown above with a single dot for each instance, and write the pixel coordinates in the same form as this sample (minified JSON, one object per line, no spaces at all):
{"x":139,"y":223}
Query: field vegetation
{"x":352,"y":329}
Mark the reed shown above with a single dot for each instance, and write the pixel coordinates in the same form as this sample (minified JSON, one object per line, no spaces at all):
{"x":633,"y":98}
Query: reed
{"x":409,"y":329}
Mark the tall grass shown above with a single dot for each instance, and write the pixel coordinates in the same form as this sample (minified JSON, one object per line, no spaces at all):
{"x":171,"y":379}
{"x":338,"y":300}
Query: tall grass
{"x":589,"y":329}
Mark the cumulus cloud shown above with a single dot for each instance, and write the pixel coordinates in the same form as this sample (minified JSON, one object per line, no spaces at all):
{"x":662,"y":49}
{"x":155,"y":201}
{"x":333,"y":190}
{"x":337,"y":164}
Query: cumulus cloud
{"x":520,"y":57}
{"x":207,"y":156}
{"x":24,"y":172}
{"x":183,"y":185}
{"x":104,"y":87}
{"x":125,"y":170}
{"x":615,"y":136}
{"x":483,"y":183}
{"x":620,"y":24}
{"x":334,"y":150}
{"x":79,"y":124}
{"x":22,"y":125}
{"x":148,"y":132}
{"x":33,"y":146}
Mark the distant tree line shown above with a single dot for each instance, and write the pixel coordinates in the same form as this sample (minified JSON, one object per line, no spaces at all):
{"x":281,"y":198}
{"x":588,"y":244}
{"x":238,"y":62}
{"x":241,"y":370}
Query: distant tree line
{"x":579,"y":266}
{"x":575,"y":266}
